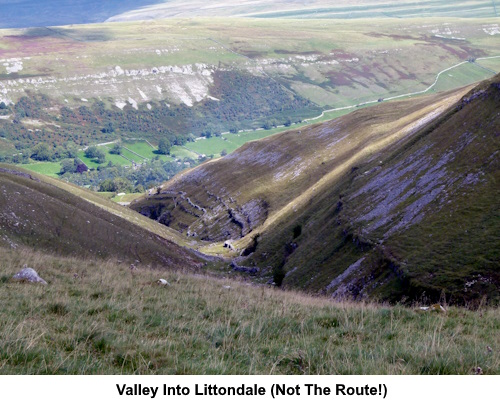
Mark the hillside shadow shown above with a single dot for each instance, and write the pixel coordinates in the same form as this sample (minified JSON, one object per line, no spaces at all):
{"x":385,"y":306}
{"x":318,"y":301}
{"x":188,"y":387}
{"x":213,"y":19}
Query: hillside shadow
{"x":75,"y":34}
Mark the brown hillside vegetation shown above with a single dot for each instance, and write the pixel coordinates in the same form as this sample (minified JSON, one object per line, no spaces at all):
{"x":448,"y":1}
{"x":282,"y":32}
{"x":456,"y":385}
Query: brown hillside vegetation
{"x":396,"y":201}
{"x":48,"y":218}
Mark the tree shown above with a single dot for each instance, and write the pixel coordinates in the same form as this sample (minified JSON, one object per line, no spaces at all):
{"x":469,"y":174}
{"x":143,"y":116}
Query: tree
{"x":210,"y":131}
{"x":108,"y":128}
{"x":71,"y":149}
{"x":101,"y":157}
{"x":267,"y":125}
{"x":116,"y":149}
{"x":93,"y":152}
{"x":139,"y":189}
{"x":68,"y":166}
{"x":41,"y":152}
{"x":223,"y":152}
{"x":164,"y":146}
{"x":107,"y":186}
{"x":234,"y":128}
{"x":206,"y":133}
{"x":59,"y":153}
{"x":118,"y":184}
{"x":122,"y":184}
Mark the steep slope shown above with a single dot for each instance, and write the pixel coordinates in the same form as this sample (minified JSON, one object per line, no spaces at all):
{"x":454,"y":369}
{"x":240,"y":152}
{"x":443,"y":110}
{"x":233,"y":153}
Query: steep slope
{"x":48,"y":218}
{"x":420,"y":220}
{"x":396,"y":201}
{"x":268,"y":179}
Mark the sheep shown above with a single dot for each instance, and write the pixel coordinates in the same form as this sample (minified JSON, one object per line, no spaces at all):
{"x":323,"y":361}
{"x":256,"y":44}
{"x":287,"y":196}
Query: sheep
{"x":163,"y":282}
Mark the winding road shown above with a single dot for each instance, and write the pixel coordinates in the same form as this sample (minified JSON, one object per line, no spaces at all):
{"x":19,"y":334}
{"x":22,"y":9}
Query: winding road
{"x":415,"y":93}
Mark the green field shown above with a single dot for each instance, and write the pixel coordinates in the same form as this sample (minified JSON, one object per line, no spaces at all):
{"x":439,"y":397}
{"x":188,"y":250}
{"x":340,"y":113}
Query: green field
{"x":492,"y":64}
{"x":115,"y":159}
{"x":181,"y":152}
{"x":126,"y":198}
{"x":127,"y":155}
{"x":48,"y":168}
{"x":142,"y":148}
{"x":463,"y":75}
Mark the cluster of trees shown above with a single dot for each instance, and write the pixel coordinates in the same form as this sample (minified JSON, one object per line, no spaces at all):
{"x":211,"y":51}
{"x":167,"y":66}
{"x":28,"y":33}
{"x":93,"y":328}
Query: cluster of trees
{"x":93,"y":152}
{"x":120,"y":184}
{"x":42,"y":152}
{"x":73,"y":166}
{"x":126,"y":179}
{"x":116,"y":149}
{"x":245,"y":101}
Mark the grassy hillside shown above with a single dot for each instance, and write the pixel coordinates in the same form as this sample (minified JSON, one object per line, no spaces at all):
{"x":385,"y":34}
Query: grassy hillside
{"x":48,"y":218}
{"x":334,"y":60}
{"x":344,"y":9}
{"x":99,"y":317}
{"x":181,"y":80}
{"x":267,"y":179}
{"x":215,"y":71}
{"x":418,"y":220}
{"x":29,"y":13}
{"x":397,"y":201}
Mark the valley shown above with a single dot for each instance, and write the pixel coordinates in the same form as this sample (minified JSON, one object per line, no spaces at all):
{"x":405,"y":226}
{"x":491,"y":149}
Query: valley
{"x":284,"y":210}
{"x":250,"y":188}
{"x":146,"y":81}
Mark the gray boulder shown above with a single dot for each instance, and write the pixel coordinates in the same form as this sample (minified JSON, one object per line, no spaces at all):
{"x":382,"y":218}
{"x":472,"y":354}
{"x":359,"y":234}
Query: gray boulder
{"x":30,"y":275}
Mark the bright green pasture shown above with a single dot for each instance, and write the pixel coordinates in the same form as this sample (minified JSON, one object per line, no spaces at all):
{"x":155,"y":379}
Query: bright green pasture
{"x":182,"y":152}
{"x":127,"y":198}
{"x":48,"y":168}
{"x":462,"y":75}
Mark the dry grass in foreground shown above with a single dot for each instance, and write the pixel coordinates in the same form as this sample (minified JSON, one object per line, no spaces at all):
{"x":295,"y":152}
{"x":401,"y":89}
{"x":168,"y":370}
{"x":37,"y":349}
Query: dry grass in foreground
{"x":104,"y":318}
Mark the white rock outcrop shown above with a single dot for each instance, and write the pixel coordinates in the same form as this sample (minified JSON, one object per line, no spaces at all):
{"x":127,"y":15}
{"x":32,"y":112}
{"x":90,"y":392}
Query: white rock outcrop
{"x":30,"y":275}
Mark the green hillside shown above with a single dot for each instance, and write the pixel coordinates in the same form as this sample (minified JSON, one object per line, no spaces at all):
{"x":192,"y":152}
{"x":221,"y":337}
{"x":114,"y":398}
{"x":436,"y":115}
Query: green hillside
{"x":342,"y":9}
{"x":45,"y":217}
{"x":71,"y":87}
{"x":99,"y":317}
{"x":392,"y":202}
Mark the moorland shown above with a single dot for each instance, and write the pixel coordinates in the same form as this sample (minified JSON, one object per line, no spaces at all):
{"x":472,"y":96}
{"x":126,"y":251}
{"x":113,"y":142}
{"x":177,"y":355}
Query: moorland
{"x":250,"y":189}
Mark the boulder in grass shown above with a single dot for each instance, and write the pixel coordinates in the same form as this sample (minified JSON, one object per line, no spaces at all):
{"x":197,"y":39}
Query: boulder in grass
{"x":29,"y":275}
{"x":163,"y":282}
